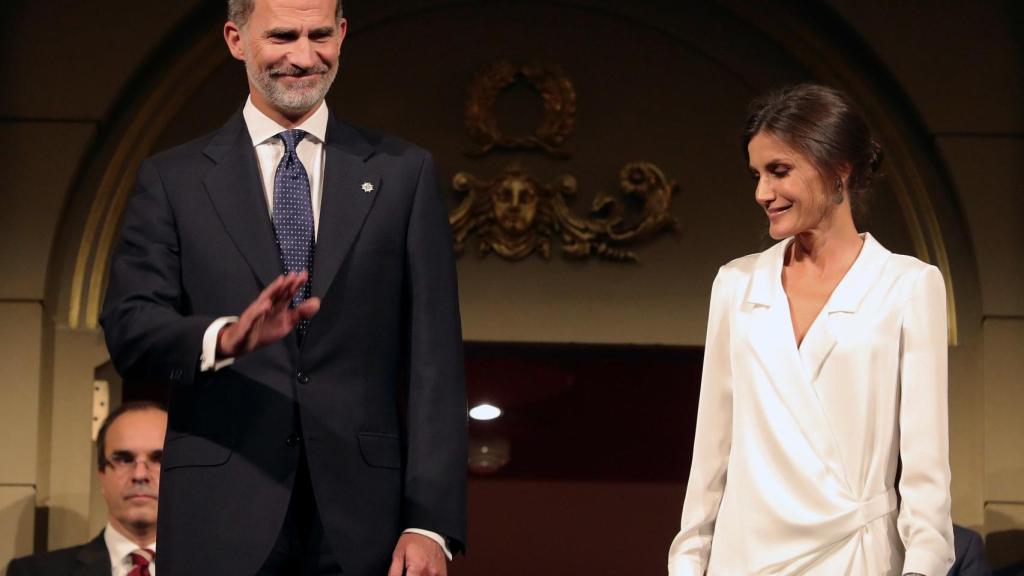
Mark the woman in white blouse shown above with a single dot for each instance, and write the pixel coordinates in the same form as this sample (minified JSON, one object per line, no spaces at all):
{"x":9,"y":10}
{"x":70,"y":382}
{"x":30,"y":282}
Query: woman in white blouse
{"x":824,"y":367}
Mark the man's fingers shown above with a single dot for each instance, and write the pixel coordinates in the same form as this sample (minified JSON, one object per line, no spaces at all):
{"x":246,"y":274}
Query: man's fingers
{"x":294,"y":281}
{"x":273,"y":288}
{"x":252,"y":337}
{"x":282,"y":293}
{"x":269,"y":317}
{"x":413,"y":568}
{"x":307,"y":309}
{"x":258,"y":308}
{"x":243,"y":327}
{"x":397,"y":564}
{"x":232,"y":336}
{"x":287,"y":289}
{"x":283,"y":283}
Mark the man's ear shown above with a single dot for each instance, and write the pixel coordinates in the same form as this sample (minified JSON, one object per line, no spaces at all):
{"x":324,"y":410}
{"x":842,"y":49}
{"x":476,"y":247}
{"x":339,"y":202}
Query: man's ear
{"x":342,"y":30}
{"x":233,"y":38}
{"x":100,"y":474}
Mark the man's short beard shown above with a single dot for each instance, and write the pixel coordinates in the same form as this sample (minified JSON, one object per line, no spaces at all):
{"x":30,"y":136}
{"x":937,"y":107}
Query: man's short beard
{"x":302,"y":96}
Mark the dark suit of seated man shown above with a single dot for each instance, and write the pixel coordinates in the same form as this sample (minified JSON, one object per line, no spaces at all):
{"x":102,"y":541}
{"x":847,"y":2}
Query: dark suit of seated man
{"x":129,"y":447}
{"x":970,"y":554}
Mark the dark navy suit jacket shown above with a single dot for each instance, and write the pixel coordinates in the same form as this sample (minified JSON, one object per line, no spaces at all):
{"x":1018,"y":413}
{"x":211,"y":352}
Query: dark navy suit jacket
{"x":376,"y":388}
{"x":91,"y":559}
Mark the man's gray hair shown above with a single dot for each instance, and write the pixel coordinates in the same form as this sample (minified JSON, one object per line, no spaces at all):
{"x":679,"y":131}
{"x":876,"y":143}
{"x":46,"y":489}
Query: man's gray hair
{"x":240,"y":10}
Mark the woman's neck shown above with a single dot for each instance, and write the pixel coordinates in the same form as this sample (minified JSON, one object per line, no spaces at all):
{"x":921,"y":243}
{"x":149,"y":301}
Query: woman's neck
{"x":825,"y":249}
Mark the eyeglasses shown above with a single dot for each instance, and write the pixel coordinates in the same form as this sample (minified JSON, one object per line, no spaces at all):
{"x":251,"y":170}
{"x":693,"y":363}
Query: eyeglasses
{"x":123,"y":462}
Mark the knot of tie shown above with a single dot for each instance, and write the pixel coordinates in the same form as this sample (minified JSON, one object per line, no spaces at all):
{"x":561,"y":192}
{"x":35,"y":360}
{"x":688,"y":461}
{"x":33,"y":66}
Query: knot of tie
{"x":141,"y":559}
{"x":291,"y":139}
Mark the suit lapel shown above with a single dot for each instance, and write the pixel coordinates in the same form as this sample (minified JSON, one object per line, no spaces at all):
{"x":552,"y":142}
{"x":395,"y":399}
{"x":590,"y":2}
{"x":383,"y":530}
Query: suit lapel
{"x":236,"y":192}
{"x":771,"y":336}
{"x":349,"y":191}
{"x":93,"y":559}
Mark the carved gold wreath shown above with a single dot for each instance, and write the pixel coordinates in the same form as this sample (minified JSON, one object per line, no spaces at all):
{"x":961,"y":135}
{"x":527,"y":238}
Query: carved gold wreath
{"x":514,"y":216}
{"x":555,"y":89}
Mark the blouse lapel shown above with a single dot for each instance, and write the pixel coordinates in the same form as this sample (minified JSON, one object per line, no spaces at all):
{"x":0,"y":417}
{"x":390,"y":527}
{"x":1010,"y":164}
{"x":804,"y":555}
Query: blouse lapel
{"x":846,"y":299}
{"x":771,"y":333}
{"x":771,"y":336}
{"x":817,"y":345}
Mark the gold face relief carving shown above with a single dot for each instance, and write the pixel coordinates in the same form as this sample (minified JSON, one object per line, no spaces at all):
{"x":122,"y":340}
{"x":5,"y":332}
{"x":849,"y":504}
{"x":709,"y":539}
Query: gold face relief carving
{"x":514,"y":215}
{"x":510,"y":215}
{"x":515,"y":201}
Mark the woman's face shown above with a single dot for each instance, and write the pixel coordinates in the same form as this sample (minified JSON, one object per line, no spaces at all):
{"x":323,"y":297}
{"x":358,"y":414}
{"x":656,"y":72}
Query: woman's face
{"x":789,"y":187}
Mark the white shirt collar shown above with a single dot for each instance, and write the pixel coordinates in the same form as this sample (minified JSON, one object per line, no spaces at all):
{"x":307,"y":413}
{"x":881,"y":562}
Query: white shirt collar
{"x":262,"y":128}
{"x":119,"y":546}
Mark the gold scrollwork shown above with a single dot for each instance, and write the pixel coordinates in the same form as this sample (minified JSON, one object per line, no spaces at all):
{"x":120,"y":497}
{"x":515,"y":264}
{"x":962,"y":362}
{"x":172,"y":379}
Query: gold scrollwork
{"x":514,"y":215}
{"x":555,"y":89}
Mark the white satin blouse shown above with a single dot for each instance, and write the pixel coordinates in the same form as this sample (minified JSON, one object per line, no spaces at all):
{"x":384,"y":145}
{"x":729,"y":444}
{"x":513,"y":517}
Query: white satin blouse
{"x":796,"y":449}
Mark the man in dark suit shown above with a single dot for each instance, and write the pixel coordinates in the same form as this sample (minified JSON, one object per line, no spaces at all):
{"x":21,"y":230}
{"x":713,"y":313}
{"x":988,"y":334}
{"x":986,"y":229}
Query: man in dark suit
{"x":293,"y":278}
{"x":129,"y":448}
{"x":970,"y":553}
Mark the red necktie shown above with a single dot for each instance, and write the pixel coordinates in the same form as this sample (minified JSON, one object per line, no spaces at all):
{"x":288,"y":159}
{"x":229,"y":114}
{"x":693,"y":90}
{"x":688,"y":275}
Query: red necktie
{"x":141,"y":560}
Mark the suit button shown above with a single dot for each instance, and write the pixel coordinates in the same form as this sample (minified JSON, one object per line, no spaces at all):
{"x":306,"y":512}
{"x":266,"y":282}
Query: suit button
{"x":292,"y":440}
{"x":302,"y":378}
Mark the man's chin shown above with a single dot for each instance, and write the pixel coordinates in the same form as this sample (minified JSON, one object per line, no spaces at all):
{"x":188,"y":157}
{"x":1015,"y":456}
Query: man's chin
{"x":297,"y":101}
{"x":142,"y":502}
{"x":141,"y":523}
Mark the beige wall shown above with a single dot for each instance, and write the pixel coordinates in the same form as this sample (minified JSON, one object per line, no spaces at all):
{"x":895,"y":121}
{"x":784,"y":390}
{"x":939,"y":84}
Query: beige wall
{"x":961,"y":75}
{"x":21,"y":341}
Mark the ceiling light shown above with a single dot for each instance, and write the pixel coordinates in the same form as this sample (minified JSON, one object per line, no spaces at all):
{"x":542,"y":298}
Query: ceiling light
{"x":484,"y":412}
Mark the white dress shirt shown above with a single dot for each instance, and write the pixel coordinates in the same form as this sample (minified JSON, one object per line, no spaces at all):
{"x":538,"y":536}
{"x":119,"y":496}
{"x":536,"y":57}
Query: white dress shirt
{"x":120,"y":549}
{"x":796,"y":447}
{"x":269,"y":151}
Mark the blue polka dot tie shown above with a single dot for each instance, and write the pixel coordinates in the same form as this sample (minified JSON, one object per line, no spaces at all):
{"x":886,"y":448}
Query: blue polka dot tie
{"x":293,"y":215}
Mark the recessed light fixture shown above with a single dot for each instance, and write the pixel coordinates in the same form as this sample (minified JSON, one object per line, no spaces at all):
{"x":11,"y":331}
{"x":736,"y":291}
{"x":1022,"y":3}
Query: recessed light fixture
{"x":484,"y":412}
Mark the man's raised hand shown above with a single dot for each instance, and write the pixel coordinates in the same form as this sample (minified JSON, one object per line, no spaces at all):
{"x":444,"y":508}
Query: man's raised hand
{"x":268,"y":318}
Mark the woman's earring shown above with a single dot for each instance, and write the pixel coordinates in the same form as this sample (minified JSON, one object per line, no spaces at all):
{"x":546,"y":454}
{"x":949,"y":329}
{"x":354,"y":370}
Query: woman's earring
{"x":838,"y":196}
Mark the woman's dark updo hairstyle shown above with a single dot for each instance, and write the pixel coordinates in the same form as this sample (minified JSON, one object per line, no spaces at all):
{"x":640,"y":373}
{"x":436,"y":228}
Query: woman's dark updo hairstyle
{"x":824,"y":125}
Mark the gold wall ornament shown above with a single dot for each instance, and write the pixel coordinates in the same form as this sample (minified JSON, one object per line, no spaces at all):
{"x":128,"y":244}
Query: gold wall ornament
{"x":515,"y":216}
{"x":555,"y":89}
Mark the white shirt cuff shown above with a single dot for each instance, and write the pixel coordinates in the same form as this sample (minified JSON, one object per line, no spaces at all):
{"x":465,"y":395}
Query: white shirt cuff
{"x":208,"y":359}
{"x":433,"y":536}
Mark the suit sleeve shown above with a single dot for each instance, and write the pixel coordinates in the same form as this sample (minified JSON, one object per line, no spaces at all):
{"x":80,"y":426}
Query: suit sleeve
{"x":147,"y":331}
{"x":691,"y":548}
{"x":974,"y":561}
{"x":924,"y":522}
{"x":18,"y":567}
{"x":435,"y":472}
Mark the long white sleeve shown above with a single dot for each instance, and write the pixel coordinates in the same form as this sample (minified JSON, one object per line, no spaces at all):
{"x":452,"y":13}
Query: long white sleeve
{"x":924,"y":520}
{"x":691,"y":548}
